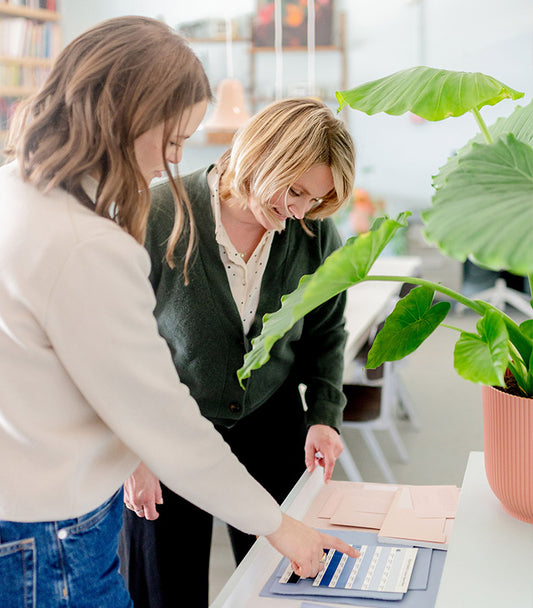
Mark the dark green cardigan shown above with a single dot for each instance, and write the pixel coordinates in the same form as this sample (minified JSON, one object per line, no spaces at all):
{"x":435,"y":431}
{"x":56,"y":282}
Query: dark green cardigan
{"x":203,"y":328}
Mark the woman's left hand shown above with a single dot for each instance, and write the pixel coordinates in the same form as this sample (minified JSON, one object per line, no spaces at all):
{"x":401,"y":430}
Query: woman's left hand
{"x":325,"y":441}
{"x":142,"y":493}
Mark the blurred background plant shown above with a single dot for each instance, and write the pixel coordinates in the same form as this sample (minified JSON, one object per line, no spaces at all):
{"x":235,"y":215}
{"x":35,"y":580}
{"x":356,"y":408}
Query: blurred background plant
{"x":357,"y":216}
{"x":363,"y":209}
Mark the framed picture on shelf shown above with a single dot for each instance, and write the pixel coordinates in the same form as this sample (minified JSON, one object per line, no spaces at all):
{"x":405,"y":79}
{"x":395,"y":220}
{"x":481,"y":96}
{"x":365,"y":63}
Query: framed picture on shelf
{"x":294,"y":23}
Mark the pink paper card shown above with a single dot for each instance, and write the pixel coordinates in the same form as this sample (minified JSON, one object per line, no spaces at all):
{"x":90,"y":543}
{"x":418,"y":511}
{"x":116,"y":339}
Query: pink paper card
{"x":349,"y":514}
{"x":330,"y":505}
{"x":435,"y":501}
{"x":404,"y":523}
{"x":375,"y":501}
{"x":363,"y":508}
{"x":358,"y":519}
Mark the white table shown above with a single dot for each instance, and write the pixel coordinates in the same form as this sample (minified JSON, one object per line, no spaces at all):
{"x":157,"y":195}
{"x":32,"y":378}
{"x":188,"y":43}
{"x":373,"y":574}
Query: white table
{"x":489,"y":561}
{"x":490,"y":557}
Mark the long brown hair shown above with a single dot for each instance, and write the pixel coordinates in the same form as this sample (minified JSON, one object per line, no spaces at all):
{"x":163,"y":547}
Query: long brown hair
{"x":110,"y":85}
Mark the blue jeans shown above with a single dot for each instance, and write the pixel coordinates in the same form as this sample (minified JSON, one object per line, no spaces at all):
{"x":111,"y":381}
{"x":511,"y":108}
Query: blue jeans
{"x":71,"y":563}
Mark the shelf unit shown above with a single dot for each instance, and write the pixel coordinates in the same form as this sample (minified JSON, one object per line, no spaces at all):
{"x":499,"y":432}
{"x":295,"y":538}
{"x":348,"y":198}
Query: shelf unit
{"x":334,"y":49}
{"x":22,"y":69}
{"x":255,"y":51}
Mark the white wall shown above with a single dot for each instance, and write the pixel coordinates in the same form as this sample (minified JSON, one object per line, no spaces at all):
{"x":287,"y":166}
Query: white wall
{"x":78,"y":15}
{"x":396,"y":156}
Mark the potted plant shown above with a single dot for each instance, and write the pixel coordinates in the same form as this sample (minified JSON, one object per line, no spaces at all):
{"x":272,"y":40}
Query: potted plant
{"x":482,"y":209}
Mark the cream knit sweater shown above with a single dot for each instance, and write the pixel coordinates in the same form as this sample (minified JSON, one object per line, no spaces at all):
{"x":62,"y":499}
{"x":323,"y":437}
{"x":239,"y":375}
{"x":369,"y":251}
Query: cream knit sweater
{"x":87,"y":385}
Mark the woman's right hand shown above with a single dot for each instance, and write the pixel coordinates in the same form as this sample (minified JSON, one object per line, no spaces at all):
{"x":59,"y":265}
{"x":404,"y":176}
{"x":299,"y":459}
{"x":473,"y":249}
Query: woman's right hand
{"x":305,"y":546}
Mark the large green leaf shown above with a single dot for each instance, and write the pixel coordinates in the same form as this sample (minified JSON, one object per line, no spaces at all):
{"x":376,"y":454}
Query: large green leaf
{"x":483,"y":358}
{"x":345,"y":267}
{"x":519,"y":123}
{"x":526,"y":382}
{"x":485,"y":209}
{"x":409,"y":324}
{"x":428,"y":92}
{"x":526,"y":327}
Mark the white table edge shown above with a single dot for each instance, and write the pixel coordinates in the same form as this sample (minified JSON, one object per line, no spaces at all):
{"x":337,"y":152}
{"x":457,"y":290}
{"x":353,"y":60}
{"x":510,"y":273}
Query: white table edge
{"x":295,"y":505}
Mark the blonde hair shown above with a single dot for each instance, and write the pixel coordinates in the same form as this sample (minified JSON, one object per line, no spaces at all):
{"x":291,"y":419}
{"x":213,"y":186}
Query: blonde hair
{"x":278,"y":145}
{"x":109,"y":86}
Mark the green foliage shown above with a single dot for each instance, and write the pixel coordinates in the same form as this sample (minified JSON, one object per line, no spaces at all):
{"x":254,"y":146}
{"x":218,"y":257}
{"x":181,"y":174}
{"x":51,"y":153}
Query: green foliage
{"x":485,"y":209}
{"x":519,"y":124}
{"x":483,"y":357}
{"x":345,"y":267}
{"x":491,"y":177}
{"x":429,"y":93}
{"x":413,"y":320}
{"x":482,"y":209}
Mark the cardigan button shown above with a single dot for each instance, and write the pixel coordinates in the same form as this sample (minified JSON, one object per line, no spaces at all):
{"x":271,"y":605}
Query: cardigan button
{"x":235,"y":408}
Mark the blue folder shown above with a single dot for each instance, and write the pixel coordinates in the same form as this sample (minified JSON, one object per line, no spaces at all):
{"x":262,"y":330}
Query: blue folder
{"x":422,"y":592}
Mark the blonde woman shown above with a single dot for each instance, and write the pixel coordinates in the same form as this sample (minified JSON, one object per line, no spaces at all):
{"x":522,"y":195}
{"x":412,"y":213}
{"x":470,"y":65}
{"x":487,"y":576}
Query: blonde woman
{"x":260,"y":215}
{"x":88,"y":386}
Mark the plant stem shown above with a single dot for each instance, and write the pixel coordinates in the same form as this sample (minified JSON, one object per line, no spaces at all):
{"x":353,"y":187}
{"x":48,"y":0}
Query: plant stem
{"x":482,"y":125}
{"x":451,"y":327}
{"x":458,"y":297}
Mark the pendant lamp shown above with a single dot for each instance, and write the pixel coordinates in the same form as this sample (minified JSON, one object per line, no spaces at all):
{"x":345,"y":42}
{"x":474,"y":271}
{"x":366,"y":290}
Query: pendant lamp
{"x":230,"y":111}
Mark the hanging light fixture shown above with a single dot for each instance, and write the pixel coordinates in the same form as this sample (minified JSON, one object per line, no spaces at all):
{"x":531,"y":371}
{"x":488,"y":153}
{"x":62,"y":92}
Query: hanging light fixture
{"x":230,"y":111}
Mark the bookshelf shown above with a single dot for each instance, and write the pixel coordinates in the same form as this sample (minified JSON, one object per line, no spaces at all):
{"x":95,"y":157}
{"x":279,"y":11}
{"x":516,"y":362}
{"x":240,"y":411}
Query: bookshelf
{"x":293,"y":55}
{"x":30,"y":38}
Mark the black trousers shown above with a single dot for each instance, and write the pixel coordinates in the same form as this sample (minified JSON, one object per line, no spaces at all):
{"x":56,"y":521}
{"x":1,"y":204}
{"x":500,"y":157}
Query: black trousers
{"x":166,"y":560}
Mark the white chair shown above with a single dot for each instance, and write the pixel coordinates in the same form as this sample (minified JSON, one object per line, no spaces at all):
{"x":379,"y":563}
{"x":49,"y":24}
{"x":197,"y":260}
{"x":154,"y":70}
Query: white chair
{"x":374,"y":399}
{"x":499,"y":295}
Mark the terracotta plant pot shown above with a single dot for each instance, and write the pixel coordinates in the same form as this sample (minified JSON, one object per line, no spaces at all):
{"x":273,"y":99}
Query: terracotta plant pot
{"x":508,"y":443}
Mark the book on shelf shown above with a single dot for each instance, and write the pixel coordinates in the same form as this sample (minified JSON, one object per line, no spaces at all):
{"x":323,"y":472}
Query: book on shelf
{"x":49,"y":5}
{"x":20,"y":37}
{"x":7,"y":107}
{"x":23,"y":76}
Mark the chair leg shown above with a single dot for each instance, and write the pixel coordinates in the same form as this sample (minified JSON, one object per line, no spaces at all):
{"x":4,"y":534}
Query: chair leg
{"x":403,"y":456}
{"x":499,"y":295}
{"x":389,"y":403}
{"x":348,"y":464}
{"x":405,"y":403}
{"x":377,"y":452}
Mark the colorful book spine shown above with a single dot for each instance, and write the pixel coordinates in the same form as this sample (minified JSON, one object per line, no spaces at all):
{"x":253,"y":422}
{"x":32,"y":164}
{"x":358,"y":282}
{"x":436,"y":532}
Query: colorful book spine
{"x":21,"y":37}
{"x":49,"y":5}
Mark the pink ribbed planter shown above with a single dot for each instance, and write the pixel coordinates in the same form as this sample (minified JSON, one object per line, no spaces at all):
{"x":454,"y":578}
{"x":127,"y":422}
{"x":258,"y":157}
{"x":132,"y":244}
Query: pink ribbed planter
{"x":508,"y":444}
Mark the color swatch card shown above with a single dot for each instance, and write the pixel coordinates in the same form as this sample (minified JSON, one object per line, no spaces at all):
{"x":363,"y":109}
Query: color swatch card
{"x":381,"y":573}
{"x":384,"y":569}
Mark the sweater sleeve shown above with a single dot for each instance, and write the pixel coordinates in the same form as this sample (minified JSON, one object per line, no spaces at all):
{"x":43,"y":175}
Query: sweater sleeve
{"x":100,"y":323}
{"x":321,"y":349}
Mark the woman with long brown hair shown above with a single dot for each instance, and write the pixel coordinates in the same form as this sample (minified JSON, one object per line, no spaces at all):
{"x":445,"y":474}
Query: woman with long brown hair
{"x":88,"y":386}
